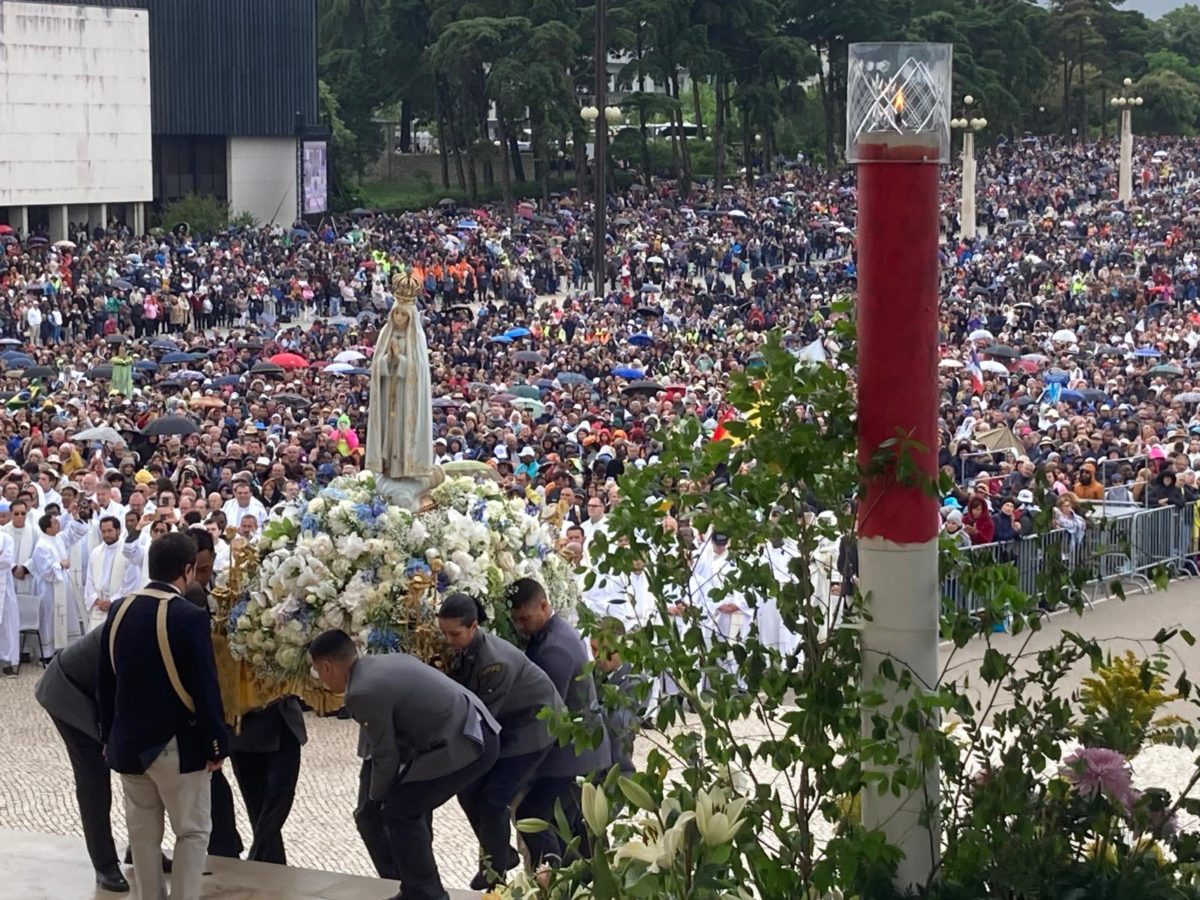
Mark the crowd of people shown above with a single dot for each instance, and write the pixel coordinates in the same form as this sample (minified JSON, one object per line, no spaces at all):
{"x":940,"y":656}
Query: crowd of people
{"x":179,"y":383}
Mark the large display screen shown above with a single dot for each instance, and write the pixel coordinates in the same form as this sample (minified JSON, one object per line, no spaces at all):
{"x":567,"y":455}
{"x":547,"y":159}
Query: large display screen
{"x":314,"y":176}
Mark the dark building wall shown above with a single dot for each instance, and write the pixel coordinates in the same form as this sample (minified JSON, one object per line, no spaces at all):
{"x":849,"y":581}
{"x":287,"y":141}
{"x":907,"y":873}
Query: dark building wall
{"x":242,"y":68}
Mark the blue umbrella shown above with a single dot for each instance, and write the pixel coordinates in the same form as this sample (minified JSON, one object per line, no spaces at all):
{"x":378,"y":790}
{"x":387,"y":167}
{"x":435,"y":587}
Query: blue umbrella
{"x":1056,"y":376}
{"x":468,"y":225}
{"x":121,"y":284}
{"x":1071,"y":397}
{"x":17,"y":360}
{"x":627,"y":372}
{"x":515,"y":333}
{"x":358,"y":370}
{"x":226,"y":380}
{"x":147,"y":364}
{"x":641,"y":340}
{"x":1146,"y":351}
{"x":572,"y":378}
{"x":176,"y":357}
{"x":164,"y":344}
{"x":502,"y":339}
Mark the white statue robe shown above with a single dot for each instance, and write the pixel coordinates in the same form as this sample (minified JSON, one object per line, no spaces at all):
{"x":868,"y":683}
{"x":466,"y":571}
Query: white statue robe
{"x":10,"y":611}
{"x":60,"y":615}
{"x":104,"y":578}
{"x":400,"y":412}
{"x":771,"y":629}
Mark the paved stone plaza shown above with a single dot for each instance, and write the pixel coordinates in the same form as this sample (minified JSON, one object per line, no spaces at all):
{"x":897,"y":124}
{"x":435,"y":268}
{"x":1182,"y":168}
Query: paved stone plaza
{"x":36,"y":789}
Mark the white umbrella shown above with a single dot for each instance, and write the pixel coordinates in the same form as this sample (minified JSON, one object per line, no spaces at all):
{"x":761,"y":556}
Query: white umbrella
{"x":1035,"y":357}
{"x":990,"y":365}
{"x":950,"y":364}
{"x":739,"y":214}
{"x":656,"y":260}
{"x":980,"y":334}
{"x":337,"y":368}
{"x":349,"y":356}
{"x":65,"y":245}
{"x":1064,"y":336}
{"x":103,"y":434}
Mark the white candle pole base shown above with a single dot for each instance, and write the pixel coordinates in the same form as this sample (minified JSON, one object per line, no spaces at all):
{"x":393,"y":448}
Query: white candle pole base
{"x":1125,"y":172}
{"x":903,"y":601}
{"x":966,"y":215}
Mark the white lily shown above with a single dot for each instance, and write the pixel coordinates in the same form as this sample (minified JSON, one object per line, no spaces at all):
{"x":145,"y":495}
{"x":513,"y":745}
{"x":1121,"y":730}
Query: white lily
{"x":595,"y":808}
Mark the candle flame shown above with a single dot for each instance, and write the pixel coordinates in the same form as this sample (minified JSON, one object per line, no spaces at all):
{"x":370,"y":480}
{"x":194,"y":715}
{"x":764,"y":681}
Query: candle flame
{"x":898,"y":100}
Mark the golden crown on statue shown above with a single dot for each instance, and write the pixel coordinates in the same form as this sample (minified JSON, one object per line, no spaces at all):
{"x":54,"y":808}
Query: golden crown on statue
{"x":406,"y":288}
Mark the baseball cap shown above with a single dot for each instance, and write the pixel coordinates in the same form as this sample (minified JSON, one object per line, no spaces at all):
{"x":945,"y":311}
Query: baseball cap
{"x":1025,"y":496}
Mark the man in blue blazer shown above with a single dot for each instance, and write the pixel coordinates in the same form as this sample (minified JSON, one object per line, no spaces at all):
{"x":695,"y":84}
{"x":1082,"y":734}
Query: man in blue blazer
{"x":161,"y":718}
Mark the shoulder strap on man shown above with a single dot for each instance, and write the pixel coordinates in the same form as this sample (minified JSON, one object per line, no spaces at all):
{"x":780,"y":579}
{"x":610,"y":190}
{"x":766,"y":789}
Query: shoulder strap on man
{"x":164,"y":645}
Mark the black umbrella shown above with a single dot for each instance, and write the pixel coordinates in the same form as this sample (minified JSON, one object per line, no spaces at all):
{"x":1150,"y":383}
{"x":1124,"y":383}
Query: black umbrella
{"x":291,"y":399}
{"x":10,"y":342}
{"x":1001,"y":350}
{"x":1020,"y":402}
{"x":1094,"y":395}
{"x":266,"y":369}
{"x":167,"y":425}
{"x":642,"y":387}
{"x":528,"y":356}
{"x":120,"y":284}
{"x":572,"y":378}
{"x":649,"y":312}
{"x":16,"y":360}
{"x":164,"y":344}
{"x":99,"y":373}
{"x":250,"y":345}
{"x":115,"y":339}
{"x":40,"y":372}
{"x":446,"y":201}
{"x":1107,"y":350}
{"x":446,"y":403}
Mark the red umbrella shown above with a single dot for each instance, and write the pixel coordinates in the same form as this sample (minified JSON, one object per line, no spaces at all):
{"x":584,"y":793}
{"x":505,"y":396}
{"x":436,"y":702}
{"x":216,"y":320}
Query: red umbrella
{"x":6,"y":229}
{"x":289,"y":361}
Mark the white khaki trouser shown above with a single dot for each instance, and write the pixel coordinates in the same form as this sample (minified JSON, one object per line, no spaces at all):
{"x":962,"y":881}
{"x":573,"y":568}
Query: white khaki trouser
{"x":187,"y":799}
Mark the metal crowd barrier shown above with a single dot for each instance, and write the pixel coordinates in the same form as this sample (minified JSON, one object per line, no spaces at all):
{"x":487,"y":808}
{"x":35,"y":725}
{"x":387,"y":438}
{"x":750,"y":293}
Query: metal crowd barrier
{"x":1126,"y":543}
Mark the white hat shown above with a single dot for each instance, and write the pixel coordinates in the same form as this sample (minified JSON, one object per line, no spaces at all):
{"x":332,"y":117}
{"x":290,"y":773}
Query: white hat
{"x":527,"y":451}
{"x":501,"y":452}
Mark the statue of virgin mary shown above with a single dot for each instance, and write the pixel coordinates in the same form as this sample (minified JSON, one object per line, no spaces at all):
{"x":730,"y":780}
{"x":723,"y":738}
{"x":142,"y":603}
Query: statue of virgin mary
{"x":400,"y":413}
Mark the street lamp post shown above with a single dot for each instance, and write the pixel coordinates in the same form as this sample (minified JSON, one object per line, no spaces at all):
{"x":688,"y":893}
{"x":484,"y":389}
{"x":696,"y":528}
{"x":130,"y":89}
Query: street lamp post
{"x":1125,"y":103}
{"x":593,"y":117}
{"x":969,"y":125}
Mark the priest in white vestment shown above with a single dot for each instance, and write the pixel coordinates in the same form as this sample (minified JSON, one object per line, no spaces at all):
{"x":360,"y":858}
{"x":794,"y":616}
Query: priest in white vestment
{"x":10,"y":612}
{"x":59,"y":617}
{"x":778,"y":556}
{"x":105,"y":573}
{"x":726,"y":613}
{"x":24,"y":535}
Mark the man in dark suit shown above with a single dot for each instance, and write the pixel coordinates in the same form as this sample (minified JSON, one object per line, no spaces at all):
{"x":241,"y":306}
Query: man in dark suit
{"x":428,"y":738}
{"x":161,"y":718}
{"x":516,"y":691}
{"x":266,"y":763}
{"x":67,"y":690}
{"x":558,"y":650}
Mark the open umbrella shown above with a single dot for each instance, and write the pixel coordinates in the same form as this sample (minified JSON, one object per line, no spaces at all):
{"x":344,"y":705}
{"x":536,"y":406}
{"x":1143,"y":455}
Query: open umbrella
{"x":1107,"y":350}
{"x":289,"y":361}
{"x":168,"y":425}
{"x":651,"y":289}
{"x":41,"y":372}
{"x":501,"y":339}
{"x":1028,"y":366}
{"x":528,"y":356}
{"x":1035,"y":357}
{"x":629,"y":372}
{"x":649,"y":388}
{"x":1064,"y":336}
{"x":1071,"y":397}
{"x":291,"y":399}
{"x":1188,"y":397}
{"x":1147,"y":352}
{"x":266,"y":369}
{"x":516,"y":333}
{"x":207,"y":403}
{"x":1166,"y":370}
{"x":175,"y":357}
{"x":1094,"y":395}
{"x":981,"y":334}
{"x":114,"y":339}
{"x":950,"y":364}
{"x":15,"y":360}
{"x":103,"y":434}
{"x":1002,"y":351}
{"x":528,"y":391}
{"x":1056,"y":376}
{"x":120,"y":284}
{"x":649,"y":312}
{"x":534,"y":407}
{"x":641,"y":340}
{"x":990,"y":365}
{"x":349,"y":356}
{"x":1020,"y":402}
{"x":572,"y":378}
{"x":164,"y":344}
{"x":146,"y":365}
{"x":100,"y":373}
{"x":446,"y":403}
{"x":10,"y":342}
{"x":226,"y":380}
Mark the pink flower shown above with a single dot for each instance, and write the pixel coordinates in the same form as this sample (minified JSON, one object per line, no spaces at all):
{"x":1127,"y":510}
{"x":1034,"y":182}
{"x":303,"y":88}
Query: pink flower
{"x":1098,"y":770}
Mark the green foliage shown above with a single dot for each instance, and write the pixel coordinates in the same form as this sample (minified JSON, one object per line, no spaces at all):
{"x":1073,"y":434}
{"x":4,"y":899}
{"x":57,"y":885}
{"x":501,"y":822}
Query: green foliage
{"x":1120,"y":702}
{"x":204,"y":214}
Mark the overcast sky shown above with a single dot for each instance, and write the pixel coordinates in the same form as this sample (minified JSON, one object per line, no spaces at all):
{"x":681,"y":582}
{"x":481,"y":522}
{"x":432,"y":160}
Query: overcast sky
{"x":1152,"y":8}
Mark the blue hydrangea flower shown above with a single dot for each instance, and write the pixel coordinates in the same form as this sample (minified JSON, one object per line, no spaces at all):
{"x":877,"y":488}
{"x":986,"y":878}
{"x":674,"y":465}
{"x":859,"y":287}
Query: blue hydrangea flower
{"x":478,"y":510}
{"x":383,"y":640}
{"x":416,"y":566}
{"x":236,"y":613}
{"x":309,"y":523}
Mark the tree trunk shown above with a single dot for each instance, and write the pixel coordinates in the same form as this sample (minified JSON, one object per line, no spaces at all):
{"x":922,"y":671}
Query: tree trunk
{"x":443,"y":132}
{"x":581,"y":180}
{"x":747,"y":147}
{"x":719,"y":136}
{"x":1083,"y":110}
{"x":514,"y":153}
{"x":505,"y":178}
{"x":406,"y":118}
{"x":696,"y":111}
{"x":685,"y":182}
{"x":827,"y":106}
{"x":1066,"y":101}
{"x":485,"y":139}
{"x":645,"y":141}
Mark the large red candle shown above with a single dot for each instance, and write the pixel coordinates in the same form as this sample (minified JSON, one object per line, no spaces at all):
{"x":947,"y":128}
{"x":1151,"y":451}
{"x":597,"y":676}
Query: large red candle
{"x":897,"y":329}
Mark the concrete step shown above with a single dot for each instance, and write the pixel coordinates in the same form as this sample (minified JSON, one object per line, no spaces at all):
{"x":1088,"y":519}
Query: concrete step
{"x":54,"y":867}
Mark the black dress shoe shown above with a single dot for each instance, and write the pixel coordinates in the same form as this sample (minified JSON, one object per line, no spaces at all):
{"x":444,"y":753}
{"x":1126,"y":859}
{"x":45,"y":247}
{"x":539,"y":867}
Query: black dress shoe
{"x":166,"y":860}
{"x":9,"y":672}
{"x":112,"y":880}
